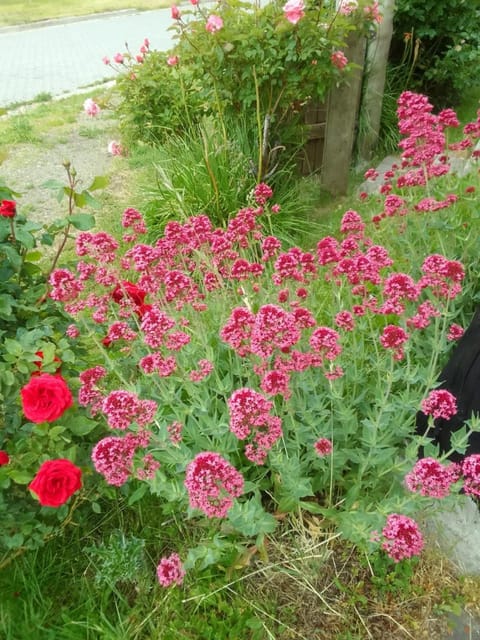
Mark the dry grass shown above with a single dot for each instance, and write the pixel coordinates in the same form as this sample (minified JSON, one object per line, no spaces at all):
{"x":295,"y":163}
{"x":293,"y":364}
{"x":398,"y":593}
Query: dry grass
{"x":26,"y":11}
{"x":326,"y":589}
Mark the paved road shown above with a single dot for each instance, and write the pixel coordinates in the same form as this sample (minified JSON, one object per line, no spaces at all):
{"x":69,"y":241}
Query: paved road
{"x":63,"y":55}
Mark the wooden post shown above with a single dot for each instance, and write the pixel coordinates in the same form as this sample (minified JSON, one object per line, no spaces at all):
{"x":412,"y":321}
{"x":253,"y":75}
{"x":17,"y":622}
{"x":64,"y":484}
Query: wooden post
{"x":377,"y":58}
{"x":342,"y":110}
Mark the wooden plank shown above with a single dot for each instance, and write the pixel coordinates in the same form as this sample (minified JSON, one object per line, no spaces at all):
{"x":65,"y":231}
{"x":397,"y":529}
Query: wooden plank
{"x":343,"y":103}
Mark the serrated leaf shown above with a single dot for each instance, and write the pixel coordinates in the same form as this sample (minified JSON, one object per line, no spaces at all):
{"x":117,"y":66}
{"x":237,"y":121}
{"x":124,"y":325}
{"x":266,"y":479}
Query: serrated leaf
{"x":82,"y":221}
{"x":250,"y":518}
{"x":20,"y":477}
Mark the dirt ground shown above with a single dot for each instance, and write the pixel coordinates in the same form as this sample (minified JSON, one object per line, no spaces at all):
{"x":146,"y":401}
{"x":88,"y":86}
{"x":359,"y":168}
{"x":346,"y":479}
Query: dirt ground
{"x":29,"y":165}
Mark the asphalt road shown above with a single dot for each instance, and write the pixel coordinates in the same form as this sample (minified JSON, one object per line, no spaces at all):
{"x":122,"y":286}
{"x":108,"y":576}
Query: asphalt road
{"x":61,"y":56}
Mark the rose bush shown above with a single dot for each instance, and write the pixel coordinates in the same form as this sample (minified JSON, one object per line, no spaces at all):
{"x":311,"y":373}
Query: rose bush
{"x":38,"y":370}
{"x":240,"y":58}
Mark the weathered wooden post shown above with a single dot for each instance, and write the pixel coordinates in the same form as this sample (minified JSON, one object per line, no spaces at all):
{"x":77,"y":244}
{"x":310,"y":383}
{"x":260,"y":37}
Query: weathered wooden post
{"x":342,"y":110}
{"x":375,"y":73}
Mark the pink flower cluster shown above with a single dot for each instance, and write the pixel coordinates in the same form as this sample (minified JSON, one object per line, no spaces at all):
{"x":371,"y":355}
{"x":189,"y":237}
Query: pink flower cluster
{"x":170,"y":570}
{"x":471,"y":475}
{"x":250,"y":416}
{"x":402,"y":537}
{"x":323,"y":447}
{"x":212,"y":484}
{"x":112,"y":457}
{"x":440,"y":403}
{"x":121,"y":408}
{"x":431,"y":478}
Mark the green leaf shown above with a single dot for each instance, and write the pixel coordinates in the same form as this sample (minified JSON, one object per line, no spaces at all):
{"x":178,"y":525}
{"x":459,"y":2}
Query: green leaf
{"x":138,"y":494}
{"x":99,"y":182}
{"x":13,"y":346}
{"x":80,"y":425}
{"x":250,"y":518}
{"x":79,"y":199}
{"x":53,"y":184}
{"x":96,"y":508}
{"x":33,"y":256}
{"x":25,"y":238}
{"x":91,"y":200}
{"x":82,"y":221}
{"x":20,"y":477}
{"x":6,"y":302}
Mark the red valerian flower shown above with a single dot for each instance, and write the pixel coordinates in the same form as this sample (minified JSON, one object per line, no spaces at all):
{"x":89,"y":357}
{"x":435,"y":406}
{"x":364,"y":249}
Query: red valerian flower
{"x":440,"y":403}
{"x":4,"y":458}
{"x":323,"y":447}
{"x":402,"y":537}
{"x":56,"y":481}
{"x":429,"y":477}
{"x":212,"y":484}
{"x":170,"y":570}
{"x":8,"y":208}
{"x":45,"y":398}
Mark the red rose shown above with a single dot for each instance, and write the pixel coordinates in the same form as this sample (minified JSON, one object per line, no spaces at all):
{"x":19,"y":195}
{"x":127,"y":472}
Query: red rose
{"x":125,"y":288}
{"x":4,"y":458}
{"x":45,"y":398}
{"x":8,"y":208}
{"x":55,"y":482}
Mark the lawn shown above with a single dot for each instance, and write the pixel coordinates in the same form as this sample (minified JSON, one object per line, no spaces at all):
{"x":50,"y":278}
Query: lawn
{"x":14,"y":12}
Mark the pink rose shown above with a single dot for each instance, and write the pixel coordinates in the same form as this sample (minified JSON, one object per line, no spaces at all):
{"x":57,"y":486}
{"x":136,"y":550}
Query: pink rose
{"x":294,"y":10}
{"x":172,"y":61}
{"x":55,"y":482}
{"x":91,"y":108}
{"x":118,"y":58}
{"x":176,"y":15}
{"x":106,"y":60}
{"x":115,"y":148}
{"x":214,"y":23}
{"x":339,"y":59}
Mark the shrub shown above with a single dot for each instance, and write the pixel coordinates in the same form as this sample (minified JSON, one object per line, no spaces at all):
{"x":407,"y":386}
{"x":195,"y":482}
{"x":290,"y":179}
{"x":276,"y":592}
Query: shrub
{"x":239,"y":382}
{"x":447,"y":40}
{"x":255,"y":62}
{"x":38,"y":423}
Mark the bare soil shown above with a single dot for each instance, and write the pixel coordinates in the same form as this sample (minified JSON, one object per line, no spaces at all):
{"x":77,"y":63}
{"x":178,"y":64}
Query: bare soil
{"x":29,"y":165}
